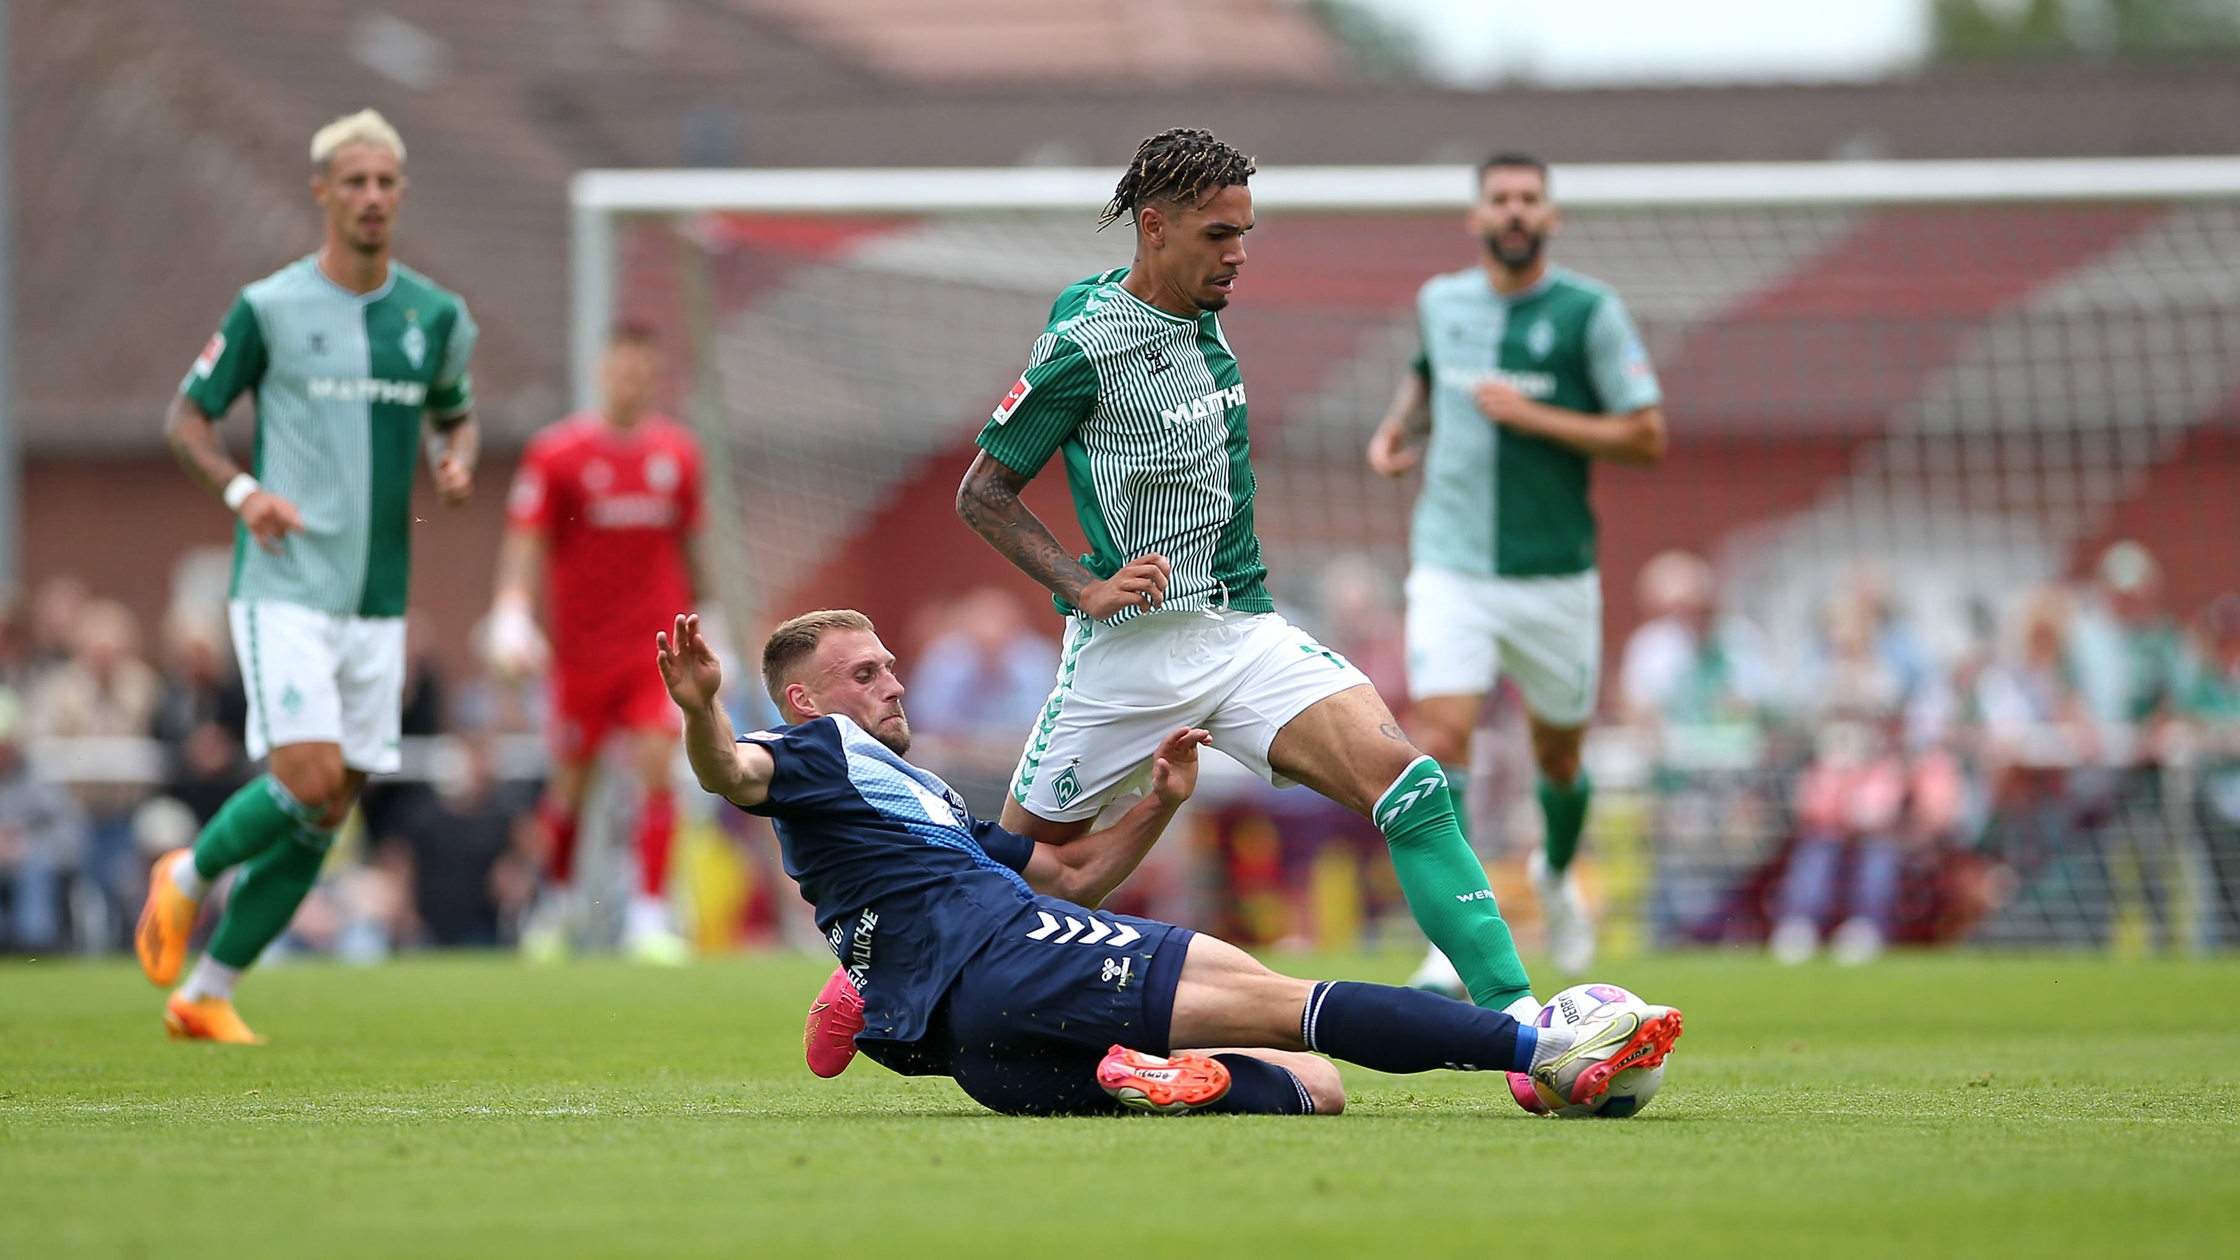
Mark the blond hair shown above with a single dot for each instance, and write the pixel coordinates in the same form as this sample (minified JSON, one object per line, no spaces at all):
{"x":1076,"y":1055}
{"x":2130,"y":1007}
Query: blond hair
{"x":796,"y":641}
{"x":367,"y":126}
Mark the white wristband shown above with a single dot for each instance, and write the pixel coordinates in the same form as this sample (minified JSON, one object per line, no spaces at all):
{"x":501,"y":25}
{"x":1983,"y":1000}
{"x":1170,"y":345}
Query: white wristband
{"x":238,"y":491}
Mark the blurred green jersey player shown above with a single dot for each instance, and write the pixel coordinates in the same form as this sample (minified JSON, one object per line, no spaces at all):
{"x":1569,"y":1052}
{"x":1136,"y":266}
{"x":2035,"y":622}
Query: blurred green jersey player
{"x":1527,"y":374}
{"x":351,"y":357}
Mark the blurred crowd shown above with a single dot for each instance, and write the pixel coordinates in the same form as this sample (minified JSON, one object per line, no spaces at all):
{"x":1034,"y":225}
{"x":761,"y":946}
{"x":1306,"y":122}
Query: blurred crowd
{"x":2069,"y":775}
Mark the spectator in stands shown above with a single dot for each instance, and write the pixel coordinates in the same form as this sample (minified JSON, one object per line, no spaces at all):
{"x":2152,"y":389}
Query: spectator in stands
{"x":16,"y":657}
{"x":464,"y":849}
{"x":424,"y":692}
{"x":2207,"y":726}
{"x":2125,"y":642}
{"x":2041,"y":754}
{"x":104,"y":690}
{"x":57,"y":612}
{"x":984,"y":676}
{"x":1686,"y":666}
{"x":2127,"y":649}
{"x":1861,"y":798}
{"x":1696,"y":689}
{"x":200,"y":714}
{"x":42,"y":835}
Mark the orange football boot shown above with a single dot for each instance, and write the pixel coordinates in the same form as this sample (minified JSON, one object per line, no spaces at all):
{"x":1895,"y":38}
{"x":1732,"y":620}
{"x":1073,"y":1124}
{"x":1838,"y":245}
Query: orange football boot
{"x":166,"y":921}
{"x":206,"y":1019}
{"x":1172,"y":1085}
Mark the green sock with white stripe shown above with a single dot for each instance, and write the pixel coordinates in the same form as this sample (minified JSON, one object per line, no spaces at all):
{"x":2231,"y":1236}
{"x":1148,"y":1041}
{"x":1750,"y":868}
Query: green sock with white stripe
{"x":1446,"y":885}
{"x":252,"y":820}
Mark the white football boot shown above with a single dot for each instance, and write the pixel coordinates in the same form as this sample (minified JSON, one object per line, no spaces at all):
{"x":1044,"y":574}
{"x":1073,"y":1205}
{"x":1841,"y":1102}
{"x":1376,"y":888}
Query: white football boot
{"x":1570,"y":928}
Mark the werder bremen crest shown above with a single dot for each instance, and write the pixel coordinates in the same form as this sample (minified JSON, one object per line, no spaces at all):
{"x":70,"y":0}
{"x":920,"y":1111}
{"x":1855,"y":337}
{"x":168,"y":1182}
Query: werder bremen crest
{"x":1539,"y":339}
{"x":414,"y":343}
{"x":1065,"y":787}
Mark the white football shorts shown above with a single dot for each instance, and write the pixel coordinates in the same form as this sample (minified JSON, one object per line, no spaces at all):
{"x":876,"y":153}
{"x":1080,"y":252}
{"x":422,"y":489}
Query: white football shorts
{"x":318,"y":678}
{"x":1121,"y":689}
{"x":1465,"y":632}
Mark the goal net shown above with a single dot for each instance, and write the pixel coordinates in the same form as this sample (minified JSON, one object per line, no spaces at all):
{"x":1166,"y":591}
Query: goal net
{"x":1956,"y":445}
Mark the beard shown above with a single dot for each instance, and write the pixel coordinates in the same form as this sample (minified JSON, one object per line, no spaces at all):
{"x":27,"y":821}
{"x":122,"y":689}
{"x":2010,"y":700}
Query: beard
{"x":1516,"y":257}
{"x":898,"y":740}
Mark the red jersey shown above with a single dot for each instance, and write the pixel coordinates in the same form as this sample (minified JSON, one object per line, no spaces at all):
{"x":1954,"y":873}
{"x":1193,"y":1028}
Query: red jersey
{"x":615,"y":508}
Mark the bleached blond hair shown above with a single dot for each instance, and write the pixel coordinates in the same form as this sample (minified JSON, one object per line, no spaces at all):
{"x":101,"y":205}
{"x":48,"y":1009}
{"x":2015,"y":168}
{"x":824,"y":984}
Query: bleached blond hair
{"x":367,"y":126}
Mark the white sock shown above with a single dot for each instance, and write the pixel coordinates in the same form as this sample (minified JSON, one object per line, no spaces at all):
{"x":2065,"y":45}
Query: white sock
{"x":1552,"y":1042}
{"x":647,"y":916}
{"x":209,"y":979}
{"x":188,"y":879}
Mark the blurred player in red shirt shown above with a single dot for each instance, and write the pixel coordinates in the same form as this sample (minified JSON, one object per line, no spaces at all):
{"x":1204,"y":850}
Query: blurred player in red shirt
{"x":606,"y":509}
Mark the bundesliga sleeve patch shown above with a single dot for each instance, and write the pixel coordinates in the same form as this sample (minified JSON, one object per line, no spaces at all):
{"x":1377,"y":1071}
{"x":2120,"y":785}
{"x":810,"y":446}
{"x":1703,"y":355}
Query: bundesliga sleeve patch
{"x":207,"y":362}
{"x":1012,"y":400}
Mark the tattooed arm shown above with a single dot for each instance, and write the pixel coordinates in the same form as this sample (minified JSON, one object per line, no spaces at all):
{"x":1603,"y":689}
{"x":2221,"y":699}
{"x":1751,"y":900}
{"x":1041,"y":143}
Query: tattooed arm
{"x":988,"y":501}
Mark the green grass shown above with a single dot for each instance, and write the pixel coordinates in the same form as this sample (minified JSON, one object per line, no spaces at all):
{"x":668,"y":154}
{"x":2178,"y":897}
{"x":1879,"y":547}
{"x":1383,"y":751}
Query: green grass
{"x":471,"y":1107}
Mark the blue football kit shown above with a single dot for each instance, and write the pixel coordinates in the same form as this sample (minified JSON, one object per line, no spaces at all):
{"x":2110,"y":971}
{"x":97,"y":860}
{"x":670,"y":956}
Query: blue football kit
{"x":969,"y":973}
{"x":965,"y":971}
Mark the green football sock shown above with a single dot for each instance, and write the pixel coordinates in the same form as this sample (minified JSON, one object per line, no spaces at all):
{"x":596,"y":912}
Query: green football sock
{"x":1565,"y":809}
{"x":1458,"y":790}
{"x":252,"y":820}
{"x":1446,"y":885}
{"x":271,"y":886}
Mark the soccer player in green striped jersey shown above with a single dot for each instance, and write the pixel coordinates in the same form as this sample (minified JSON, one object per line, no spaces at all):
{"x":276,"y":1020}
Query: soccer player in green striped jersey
{"x":1528,"y":373}
{"x":1169,"y":620}
{"x":350,"y":355}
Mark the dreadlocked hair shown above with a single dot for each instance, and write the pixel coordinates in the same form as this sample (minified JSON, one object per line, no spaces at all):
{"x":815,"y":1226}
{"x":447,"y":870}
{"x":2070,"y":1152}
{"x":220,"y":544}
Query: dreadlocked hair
{"x":1180,"y":164}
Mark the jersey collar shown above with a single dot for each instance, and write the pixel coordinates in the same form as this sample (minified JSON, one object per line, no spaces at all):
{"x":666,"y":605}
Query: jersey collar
{"x":1169,"y":316}
{"x":388,"y":282}
{"x":1535,"y":289}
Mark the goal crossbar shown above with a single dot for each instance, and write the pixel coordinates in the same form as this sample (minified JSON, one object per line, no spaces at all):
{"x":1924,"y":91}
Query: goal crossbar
{"x":598,"y":198}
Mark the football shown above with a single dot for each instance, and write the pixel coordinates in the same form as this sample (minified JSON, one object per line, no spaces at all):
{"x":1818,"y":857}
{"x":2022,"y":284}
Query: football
{"x":1629,"y":1090}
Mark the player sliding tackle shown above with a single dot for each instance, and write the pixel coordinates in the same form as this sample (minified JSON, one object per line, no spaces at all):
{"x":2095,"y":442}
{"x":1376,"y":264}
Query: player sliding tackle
{"x":978,"y":953}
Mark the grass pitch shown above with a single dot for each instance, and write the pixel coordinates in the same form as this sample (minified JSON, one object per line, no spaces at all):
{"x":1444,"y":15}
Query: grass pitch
{"x":1944,"y":1105}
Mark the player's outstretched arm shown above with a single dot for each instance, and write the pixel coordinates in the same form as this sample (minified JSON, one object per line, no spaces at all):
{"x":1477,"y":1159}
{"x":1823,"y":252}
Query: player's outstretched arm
{"x":988,"y":501}
{"x":195,"y":443}
{"x":1396,"y":446}
{"x":1086,"y":870}
{"x":738,"y":772}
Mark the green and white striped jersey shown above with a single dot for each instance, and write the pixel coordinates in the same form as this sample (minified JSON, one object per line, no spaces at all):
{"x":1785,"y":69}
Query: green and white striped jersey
{"x":1149,"y":410}
{"x":342,"y":380}
{"x":1496,"y":502}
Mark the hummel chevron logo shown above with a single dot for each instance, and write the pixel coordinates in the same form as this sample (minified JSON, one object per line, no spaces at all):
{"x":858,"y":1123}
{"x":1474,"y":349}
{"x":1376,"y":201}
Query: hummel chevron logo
{"x":1400,"y":806}
{"x":1119,"y":934}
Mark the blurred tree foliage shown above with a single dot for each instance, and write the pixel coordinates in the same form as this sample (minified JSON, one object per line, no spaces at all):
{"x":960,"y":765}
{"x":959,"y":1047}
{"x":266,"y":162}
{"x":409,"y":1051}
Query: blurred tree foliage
{"x":1377,"y":46}
{"x":1995,"y":29}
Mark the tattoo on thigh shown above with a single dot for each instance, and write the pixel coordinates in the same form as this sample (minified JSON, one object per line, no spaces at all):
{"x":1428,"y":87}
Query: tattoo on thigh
{"x":1391,"y":730}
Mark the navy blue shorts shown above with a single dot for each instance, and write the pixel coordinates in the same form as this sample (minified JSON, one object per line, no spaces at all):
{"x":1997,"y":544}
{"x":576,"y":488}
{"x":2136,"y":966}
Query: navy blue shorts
{"x":1032,"y":1013}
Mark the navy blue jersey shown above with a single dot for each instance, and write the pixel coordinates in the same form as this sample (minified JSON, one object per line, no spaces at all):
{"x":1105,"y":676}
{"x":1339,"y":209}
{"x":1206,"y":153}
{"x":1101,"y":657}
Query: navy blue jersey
{"x":907,"y":884}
